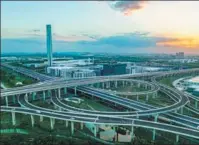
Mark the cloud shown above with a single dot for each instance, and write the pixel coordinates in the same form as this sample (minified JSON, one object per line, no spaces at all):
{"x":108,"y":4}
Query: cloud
{"x":191,"y":43}
{"x":73,"y":38}
{"x":137,"y":42}
{"x":127,"y":7}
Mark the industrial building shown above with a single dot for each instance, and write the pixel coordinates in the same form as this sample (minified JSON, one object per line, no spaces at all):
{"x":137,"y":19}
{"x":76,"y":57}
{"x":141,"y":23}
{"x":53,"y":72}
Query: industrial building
{"x":81,"y":68}
{"x":133,"y":69}
{"x":180,"y":55}
{"x":114,"y":69}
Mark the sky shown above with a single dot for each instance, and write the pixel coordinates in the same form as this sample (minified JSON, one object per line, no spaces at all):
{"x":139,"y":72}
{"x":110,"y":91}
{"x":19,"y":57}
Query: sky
{"x":101,"y":26}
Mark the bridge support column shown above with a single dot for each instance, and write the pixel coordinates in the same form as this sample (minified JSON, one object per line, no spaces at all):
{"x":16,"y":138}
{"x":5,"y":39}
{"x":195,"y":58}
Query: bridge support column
{"x":49,"y":93}
{"x":13,"y":99}
{"x":132,"y":133}
{"x":137,"y":97}
{"x":72,"y":127}
{"x":147,"y":97}
{"x":6,"y":98}
{"x":26,"y":97}
{"x":33,"y":96}
{"x":13,"y":118}
{"x":138,"y":85}
{"x":146,"y":86}
{"x":196,"y":104}
{"x":81,"y":125}
{"x":32,"y":120}
{"x":102,"y":85}
{"x":66,"y":123}
{"x":156,"y":118}
{"x":153,"y":95}
{"x":154,"y":132}
{"x":59,"y":94}
{"x":181,"y":110}
{"x":75,"y":89}
{"x":95,"y":130}
{"x":123,"y":83}
{"x":65,"y":90}
{"x":115,"y":84}
{"x":41,"y":118}
{"x":177,"y":138}
{"x":44,"y":96}
{"x":52,"y":123}
{"x":107,"y":85}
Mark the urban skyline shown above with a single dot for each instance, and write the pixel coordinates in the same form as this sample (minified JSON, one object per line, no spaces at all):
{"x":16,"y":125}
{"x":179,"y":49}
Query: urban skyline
{"x":132,"y":27}
{"x":75,"y":73}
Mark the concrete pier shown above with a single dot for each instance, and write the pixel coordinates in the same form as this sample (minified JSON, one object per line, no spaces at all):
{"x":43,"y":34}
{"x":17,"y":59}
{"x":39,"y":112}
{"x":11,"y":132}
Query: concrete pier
{"x":137,"y":96}
{"x":81,"y":125}
{"x":59,"y":94}
{"x":95,"y":131}
{"x":49,"y":93}
{"x":13,"y":99}
{"x":72,"y":127}
{"x":65,"y":90}
{"x":75,"y":89}
{"x":147,"y":97}
{"x":26,"y":97}
{"x":52,"y":123}
{"x":154,"y":132}
{"x":102,"y":85}
{"x":181,"y":110}
{"x":66,"y":123}
{"x":115,"y":84}
{"x":123,"y":83}
{"x":196,"y":104}
{"x":132,"y":132}
{"x":41,"y":118}
{"x":156,"y":118}
{"x":6,"y":98}
{"x":13,"y":118}
{"x":33,"y":96}
{"x":44,"y":95}
{"x":32,"y":120}
{"x":177,"y":138}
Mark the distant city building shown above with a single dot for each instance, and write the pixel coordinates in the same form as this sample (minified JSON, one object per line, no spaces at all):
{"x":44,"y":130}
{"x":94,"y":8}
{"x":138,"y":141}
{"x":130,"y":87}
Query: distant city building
{"x":134,"y":69}
{"x":35,"y":65}
{"x":180,"y":55}
{"x":114,"y":69}
{"x":193,"y":85}
{"x":49,"y":44}
{"x":12,"y":58}
{"x":184,"y":60}
{"x":81,"y":68}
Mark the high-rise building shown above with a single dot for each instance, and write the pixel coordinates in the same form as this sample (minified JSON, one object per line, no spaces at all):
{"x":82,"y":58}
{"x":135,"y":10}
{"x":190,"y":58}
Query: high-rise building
{"x":180,"y":55}
{"x":49,"y":44}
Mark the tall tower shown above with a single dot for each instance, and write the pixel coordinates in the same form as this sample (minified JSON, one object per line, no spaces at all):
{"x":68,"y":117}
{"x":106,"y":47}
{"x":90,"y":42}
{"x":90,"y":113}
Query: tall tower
{"x":49,"y":44}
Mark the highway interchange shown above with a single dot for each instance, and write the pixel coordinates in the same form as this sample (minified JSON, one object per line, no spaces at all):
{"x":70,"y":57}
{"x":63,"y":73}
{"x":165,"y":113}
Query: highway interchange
{"x":135,"y":116}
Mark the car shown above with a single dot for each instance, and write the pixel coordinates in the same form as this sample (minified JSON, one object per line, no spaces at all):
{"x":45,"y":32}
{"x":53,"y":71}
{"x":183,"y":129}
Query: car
{"x":38,"y":111}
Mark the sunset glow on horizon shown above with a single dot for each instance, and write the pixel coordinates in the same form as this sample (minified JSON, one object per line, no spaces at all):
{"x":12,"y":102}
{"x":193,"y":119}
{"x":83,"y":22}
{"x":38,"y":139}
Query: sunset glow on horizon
{"x":167,"y":24}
